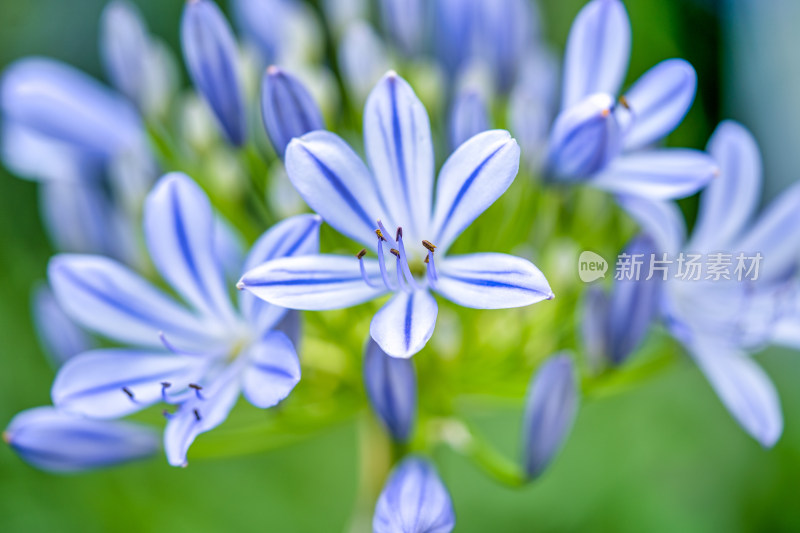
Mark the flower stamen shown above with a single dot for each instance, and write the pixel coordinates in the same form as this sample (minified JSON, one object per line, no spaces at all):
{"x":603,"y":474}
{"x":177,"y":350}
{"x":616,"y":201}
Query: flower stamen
{"x":403,"y":260}
{"x":382,"y":261}
{"x":197,"y":414}
{"x":360,"y":256}
{"x":197,"y":389}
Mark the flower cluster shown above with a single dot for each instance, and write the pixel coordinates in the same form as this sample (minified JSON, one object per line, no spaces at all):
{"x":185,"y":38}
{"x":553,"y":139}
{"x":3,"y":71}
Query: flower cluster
{"x":166,"y":289}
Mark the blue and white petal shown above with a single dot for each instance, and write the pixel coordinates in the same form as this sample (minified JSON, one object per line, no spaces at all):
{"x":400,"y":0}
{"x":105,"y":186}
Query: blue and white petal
{"x":112,"y":383}
{"x":598,"y":50}
{"x":124,"y":47}
{"x":272,"y":371}
{"x":179,"y":231}
{"x":744,"y":388}
{"x":469,"y":116}
{"x":414,"y":500}
{"x":56,"y":441}
{"x":491,"y":281}
{"x":397,"y":138}
{"x":405,"y":323}
{"x":472,"y":178}
{"x":658,"y":101}
{"x":108,"y":298}
{"x":659,"y":174}
{"x":314,"y":282}
{"x":729,"y":202}
{"x":335,"y":183}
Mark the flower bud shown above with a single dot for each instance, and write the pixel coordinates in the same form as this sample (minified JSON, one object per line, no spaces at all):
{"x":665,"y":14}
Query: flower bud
{"x":468,"y":116}
{"x":392,"y":390}
{"x":414,"y":499}
{"x":584,"y":139}
{"x":551,"y":407}
{"x":211,"y":56}
{"x":61,"y":442}
{"x":287,"y":108}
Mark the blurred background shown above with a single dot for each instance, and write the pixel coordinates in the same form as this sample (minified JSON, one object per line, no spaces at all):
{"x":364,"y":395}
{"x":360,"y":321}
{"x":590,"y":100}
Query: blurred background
{"x":664,"y":456}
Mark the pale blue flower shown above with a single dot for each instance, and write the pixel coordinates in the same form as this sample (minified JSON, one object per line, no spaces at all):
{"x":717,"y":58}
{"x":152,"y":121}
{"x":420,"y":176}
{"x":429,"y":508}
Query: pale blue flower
{"x":212,"y":56}
{"x":607,"y":145}
{"x":391,"y":384}
{"x":719,"y":322}
{"x":62,"y":442}
{"x":392,"y":205}
{"x":288,"y":109}
{"x":198,"y":356}
{"x":550,"y":410}
{"x":414,"y":500}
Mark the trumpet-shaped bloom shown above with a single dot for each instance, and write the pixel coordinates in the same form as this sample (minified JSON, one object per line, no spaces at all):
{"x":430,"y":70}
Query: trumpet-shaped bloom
{"x":62,"y":442}
{"x":211,"y":55}
{"x":198,"y":356}
{"x":605,"y":144}
{"x":390,"y":209}
{"x":391,"y":385}
{"x":549,"y":413}
{"x":414,"y":500}
{"x":288,"y":109}
{"x":719,"y":322}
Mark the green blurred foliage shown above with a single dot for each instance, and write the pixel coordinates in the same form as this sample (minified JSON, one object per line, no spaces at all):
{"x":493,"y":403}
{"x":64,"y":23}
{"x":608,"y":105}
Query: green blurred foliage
{"x":664,"y":456}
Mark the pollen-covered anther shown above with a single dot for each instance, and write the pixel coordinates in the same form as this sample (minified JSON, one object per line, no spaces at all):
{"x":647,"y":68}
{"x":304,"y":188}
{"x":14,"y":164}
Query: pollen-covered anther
{"x":429,"y":246}
{"x":379,"y":233}
{"x":624,"y":102}
{"x":395,"y":253}
{"x":362,"y":253}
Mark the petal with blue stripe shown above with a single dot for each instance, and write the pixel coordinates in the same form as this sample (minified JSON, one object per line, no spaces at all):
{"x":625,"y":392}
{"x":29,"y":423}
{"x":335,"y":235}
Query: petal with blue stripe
{"x":113,"y":383}
{"x":491,"y":281}
{"x":272,"y":371}
{"x":658,"y":101}
{"x":314,"y":282}
{"x":335,"y":183}
{"x":598,"y":50}
{"x":179,"y":230}
{"x":110,"y":299}
{"x":472,"y":178}
{"x":397,"y":137}
{"x":56,"y":441}
{"x":405,"y":323}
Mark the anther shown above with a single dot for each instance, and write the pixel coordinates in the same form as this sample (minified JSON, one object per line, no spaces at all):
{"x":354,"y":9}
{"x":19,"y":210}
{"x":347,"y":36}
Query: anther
{"x":399,"y":234}
{"x":197,"y":415}
{"x":127,"y":391}
{"x":624,"y":102}
{"x":379,"y":233}
{"x":362,"y":253}
{"x":164,"y":386}
{"x":395,"y":253}
{"x":429,"y":246}
{"x":197,"y":388}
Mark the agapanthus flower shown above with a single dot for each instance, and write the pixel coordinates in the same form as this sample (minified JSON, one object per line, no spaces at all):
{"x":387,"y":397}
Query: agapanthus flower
{"x":392,"y":205}
{"x":721,"y":320}
{"x":606,"y":144}
{"x":198,"y":356}
{"x":57,"y":441}
{"x":414,"y":500}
